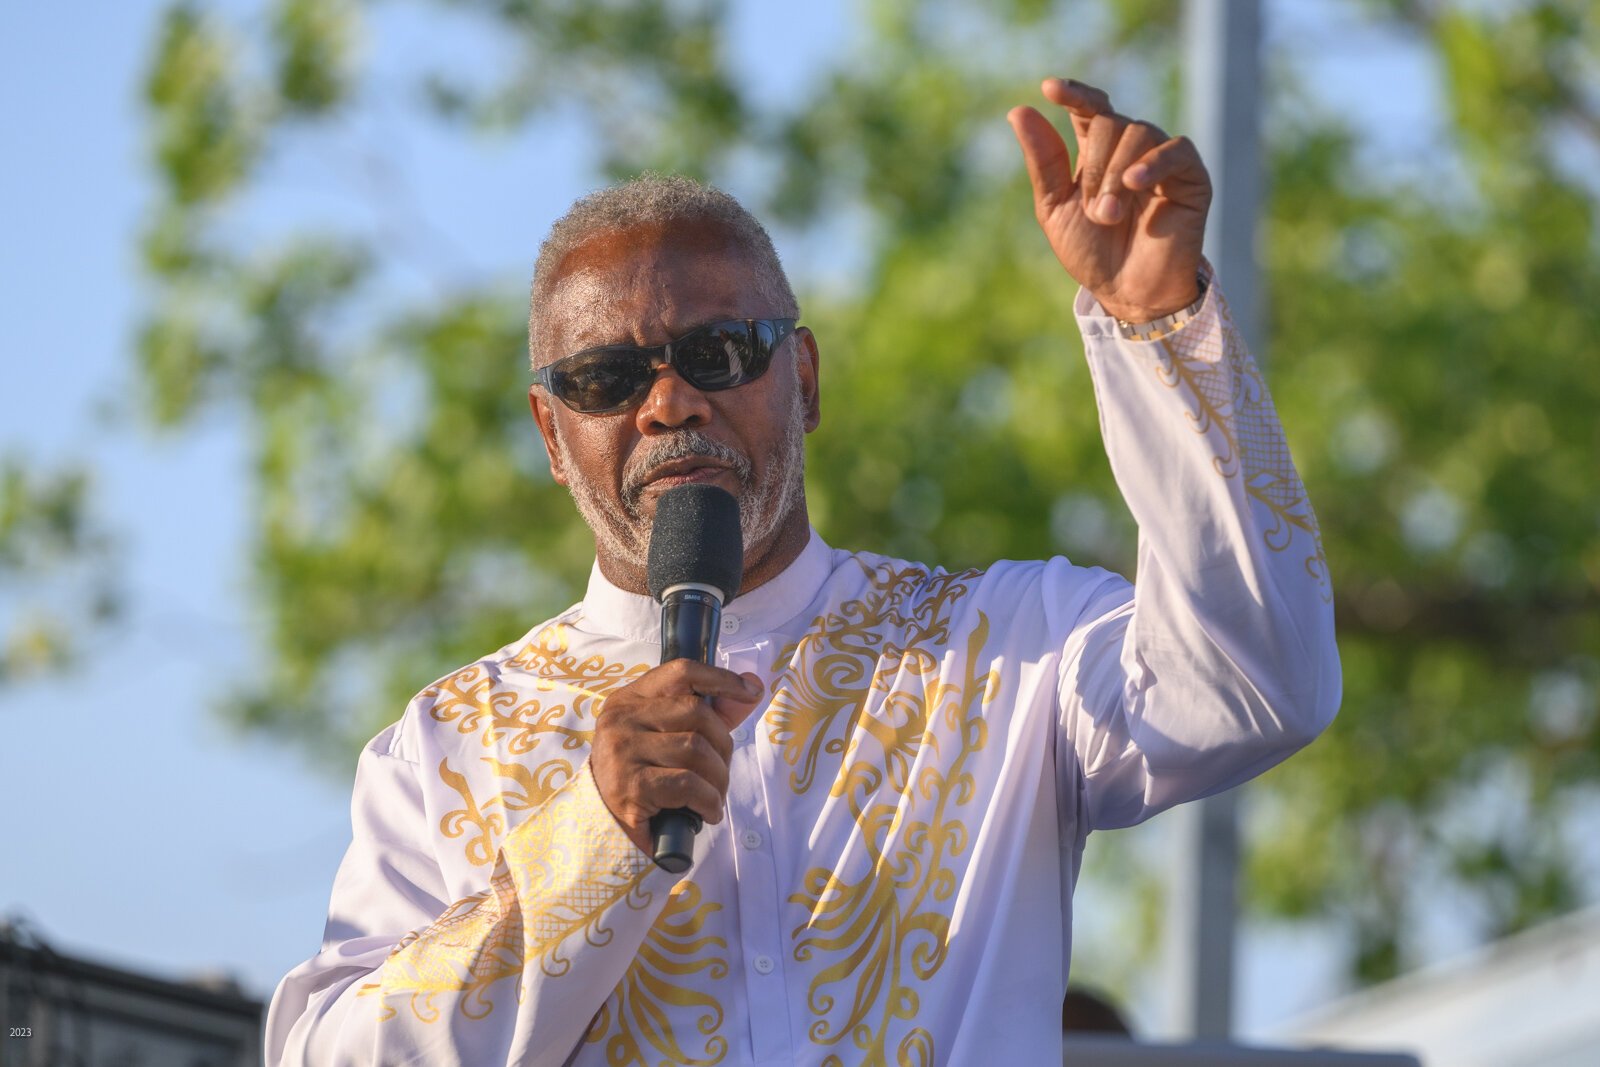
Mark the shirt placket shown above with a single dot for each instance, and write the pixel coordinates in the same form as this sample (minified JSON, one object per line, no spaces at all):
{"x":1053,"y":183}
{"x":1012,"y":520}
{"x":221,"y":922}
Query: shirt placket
{"x":755,"y":873}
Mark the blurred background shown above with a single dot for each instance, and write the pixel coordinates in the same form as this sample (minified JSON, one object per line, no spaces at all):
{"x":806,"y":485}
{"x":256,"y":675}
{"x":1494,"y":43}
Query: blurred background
{"x":266,"y":467}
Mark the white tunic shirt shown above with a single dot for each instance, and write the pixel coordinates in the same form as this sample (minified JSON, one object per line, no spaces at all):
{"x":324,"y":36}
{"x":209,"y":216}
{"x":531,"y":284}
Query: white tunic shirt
{"x":906,"y":813}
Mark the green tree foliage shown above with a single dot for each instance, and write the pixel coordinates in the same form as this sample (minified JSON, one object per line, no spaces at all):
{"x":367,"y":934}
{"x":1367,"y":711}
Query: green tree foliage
{"x":1434,"y":348}
{"x":1430,"y":353}
{"x":57,"y":574}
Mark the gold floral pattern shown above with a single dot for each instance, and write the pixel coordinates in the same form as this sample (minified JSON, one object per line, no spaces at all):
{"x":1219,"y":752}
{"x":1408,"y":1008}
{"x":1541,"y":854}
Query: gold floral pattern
{"x":557,"y":876}
{"x":895,"y":628}
{"x":667,"y":980}
{"x":548,"y":656}
{"x":864,"y":684}
{"x":482,"y":827}
{"x":1231,"y":400}
{"x":475,"y":943}
{"x":479,"y":702}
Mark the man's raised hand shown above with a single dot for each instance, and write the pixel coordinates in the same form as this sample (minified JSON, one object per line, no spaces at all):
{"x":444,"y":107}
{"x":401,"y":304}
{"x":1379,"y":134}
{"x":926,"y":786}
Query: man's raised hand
{"x":1129,"y":222}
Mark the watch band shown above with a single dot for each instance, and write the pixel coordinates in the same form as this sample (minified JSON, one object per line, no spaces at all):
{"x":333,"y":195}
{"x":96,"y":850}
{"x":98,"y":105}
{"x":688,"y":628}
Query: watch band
{"x":1166,"y":324}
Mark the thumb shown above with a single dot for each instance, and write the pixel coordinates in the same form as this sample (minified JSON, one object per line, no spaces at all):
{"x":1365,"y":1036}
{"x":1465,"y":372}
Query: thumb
{"x":733,"y":710}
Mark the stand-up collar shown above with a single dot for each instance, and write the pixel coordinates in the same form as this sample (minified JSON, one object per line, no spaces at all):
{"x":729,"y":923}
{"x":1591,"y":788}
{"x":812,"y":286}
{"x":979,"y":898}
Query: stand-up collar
{"x":609,"y":610}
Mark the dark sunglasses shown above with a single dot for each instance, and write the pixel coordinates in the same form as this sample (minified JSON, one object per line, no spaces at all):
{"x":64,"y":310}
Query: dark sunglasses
{"x":720,"y":355}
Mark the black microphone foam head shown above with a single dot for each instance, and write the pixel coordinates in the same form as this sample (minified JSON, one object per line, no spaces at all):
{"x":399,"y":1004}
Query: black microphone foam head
{"x":696,"y":538}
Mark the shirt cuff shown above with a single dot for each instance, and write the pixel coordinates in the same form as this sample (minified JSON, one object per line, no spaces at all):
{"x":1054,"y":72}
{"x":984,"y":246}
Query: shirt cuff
{"x":572,"y":861}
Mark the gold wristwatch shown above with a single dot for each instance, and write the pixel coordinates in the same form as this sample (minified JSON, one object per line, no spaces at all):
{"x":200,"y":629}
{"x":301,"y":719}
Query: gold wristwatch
{"x":1166,"y":324}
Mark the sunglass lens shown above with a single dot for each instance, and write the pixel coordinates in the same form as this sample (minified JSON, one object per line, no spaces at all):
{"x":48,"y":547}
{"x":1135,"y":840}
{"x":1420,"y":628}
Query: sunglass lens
{"x":600,"y":381}
{"x":717,"y":357}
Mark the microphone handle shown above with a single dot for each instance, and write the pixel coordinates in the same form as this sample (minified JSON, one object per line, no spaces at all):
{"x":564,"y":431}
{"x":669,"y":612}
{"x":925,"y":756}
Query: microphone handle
{"x":690,"y":620}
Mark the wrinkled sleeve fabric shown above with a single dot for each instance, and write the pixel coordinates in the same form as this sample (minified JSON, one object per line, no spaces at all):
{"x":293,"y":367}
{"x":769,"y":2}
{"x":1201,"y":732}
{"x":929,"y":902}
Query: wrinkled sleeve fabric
{"x":1220,"y":661}
{"x":511,"y":974}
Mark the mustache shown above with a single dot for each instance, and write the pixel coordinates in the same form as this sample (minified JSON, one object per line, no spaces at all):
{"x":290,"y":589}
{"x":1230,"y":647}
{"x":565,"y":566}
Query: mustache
{"x":682,"y":444}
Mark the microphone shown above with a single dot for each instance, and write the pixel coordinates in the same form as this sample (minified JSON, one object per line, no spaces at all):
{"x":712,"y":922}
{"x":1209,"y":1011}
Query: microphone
{"x":696,"y":561}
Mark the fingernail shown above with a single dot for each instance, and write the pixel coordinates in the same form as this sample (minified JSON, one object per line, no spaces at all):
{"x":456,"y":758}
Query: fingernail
{"x":1109,"y":208}
{"x":1138,"y":175}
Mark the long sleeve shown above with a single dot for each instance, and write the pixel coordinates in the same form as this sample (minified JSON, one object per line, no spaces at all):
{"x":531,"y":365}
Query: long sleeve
{"x":511,"y":974}
{"x":1221,"y":660}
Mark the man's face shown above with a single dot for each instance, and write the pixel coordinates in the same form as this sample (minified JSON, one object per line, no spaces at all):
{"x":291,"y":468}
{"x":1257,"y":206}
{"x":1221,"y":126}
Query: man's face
{"x":646,"y":286}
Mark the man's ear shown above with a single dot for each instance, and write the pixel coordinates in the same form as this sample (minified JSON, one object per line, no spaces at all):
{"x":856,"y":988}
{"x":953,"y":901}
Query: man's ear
{"x":546,"y":419}
{"x":810,"y":368}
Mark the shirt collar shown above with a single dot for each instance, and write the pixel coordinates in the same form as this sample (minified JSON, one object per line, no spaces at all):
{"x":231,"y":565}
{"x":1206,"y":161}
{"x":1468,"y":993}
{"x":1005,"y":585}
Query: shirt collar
{"x":610,"y":610}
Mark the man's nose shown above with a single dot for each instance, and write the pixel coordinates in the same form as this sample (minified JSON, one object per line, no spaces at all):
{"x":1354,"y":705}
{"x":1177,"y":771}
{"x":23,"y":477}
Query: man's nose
{"x":672,"y":403}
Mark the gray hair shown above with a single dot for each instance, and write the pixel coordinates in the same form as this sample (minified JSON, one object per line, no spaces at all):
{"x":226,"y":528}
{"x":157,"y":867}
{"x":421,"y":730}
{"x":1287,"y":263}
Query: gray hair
{"x":662,"y":200}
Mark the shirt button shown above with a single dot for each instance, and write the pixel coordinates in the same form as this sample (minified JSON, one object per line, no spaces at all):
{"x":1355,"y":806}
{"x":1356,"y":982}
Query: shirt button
{"x":741,"y":734}
{"x":730,"y":624}
{"x":751,"y":839}
{"x":764,"y":964}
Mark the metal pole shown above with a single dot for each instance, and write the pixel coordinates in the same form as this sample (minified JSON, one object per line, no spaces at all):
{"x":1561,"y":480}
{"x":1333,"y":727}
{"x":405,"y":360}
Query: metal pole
{"x":1222,"y":76}
{"x":1222,"y":87}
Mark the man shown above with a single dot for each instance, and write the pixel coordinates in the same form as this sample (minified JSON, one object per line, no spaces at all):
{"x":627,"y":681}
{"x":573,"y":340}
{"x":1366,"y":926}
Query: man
{"x":897,"y":766}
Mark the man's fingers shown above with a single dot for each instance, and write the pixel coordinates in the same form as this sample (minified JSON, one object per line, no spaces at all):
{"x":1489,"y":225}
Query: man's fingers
{"x":670,"y":714}
{"x":692,"y":752}
{"x":1045,"y":153}
{"x":691,"y":676}
{"x":733,"y":710}
{"x":685,"y":696}
{"x":1173,"y":170}
{"x":1095,"y":150}
{"x":672,"y":787}
{"x":1134,"y":141}
{"x":1083,"y":102}
{"x":713,"y":727}
{"x":1076,"y":97}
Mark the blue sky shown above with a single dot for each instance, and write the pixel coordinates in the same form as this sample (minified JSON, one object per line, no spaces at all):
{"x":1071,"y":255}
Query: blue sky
{"x":137,"y":830}
{"x":144,"y":835}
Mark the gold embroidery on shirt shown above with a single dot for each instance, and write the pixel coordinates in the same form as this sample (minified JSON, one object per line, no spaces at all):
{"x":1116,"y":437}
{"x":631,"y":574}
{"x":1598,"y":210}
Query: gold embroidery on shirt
{"x":574,"y":865}
{"x":887,"y":930}
{"x":859,"y":649}
{"x":479,"y":702}
{"x":588,"y":681}
{"x":530,"y":788}
{"x":473,"y":944}
{"x":486,"y":825}
{"x":665,"y":983}
{"x":556,"y":876}
{"x":1231,"y":398}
